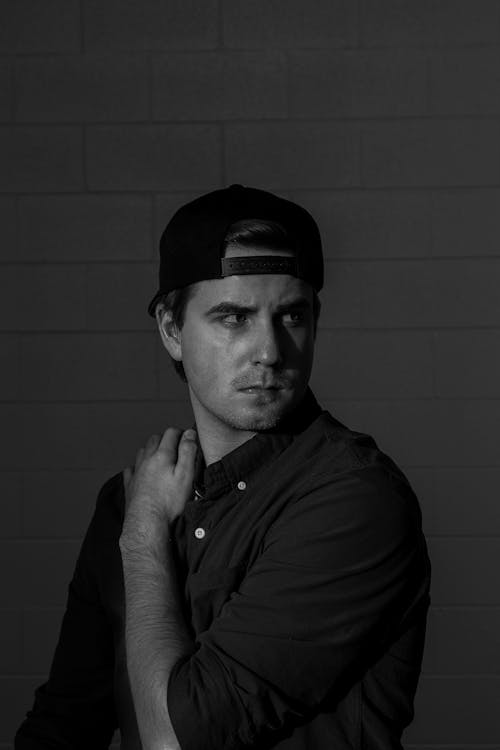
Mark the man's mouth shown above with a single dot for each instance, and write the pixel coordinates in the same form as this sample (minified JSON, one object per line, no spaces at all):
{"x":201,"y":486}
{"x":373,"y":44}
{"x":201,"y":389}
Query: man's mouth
{"x":264,"y":392}
{"x":261,"y":387}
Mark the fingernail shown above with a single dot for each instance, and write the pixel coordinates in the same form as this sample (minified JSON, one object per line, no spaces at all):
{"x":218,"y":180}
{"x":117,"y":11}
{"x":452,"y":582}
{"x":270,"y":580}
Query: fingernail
{"x":190,"y":434}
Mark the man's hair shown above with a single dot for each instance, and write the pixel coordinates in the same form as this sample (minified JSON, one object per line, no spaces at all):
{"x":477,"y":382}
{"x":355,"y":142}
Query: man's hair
{"x":268,"y":235}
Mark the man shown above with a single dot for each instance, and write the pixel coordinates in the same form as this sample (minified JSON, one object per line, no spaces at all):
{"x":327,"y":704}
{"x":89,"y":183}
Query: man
{"x":261,"y":581}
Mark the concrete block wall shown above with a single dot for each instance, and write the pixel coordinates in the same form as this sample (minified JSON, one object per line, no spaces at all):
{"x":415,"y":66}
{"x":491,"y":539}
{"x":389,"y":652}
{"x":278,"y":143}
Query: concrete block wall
{"x":380,"y":116}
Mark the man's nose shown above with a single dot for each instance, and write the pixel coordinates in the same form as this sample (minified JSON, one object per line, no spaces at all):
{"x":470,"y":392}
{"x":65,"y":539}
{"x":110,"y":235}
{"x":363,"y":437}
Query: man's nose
{"x":268,"y":344}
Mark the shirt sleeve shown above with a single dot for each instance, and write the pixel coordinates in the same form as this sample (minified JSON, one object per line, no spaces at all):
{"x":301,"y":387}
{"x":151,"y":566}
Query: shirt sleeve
{"x":75,"y":708}
{"x":340,"y":572}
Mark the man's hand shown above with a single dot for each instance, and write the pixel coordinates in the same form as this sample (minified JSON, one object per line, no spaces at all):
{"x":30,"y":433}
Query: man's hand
{"x":157,"y":488}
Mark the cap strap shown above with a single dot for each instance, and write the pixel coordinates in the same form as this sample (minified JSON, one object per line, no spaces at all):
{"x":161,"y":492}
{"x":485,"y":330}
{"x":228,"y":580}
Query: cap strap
{"x":259,"y":264}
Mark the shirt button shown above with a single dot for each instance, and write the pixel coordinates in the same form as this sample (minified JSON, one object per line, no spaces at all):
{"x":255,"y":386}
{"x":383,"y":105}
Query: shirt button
{"x":199,"y":533}
{"x":242,"y":485}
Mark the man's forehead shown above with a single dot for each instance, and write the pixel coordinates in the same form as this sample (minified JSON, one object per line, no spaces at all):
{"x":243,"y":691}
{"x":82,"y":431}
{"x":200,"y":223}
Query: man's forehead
{"x":253,"y":290}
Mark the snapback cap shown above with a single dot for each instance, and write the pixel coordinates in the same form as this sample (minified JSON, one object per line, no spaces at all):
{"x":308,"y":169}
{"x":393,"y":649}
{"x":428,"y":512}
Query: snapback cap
{"x":192,"y":245}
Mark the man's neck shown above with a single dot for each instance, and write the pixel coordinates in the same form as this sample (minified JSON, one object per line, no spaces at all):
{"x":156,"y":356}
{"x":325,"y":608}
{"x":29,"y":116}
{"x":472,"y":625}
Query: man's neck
{"x":215,"y":447}
{"x":216,"y":438}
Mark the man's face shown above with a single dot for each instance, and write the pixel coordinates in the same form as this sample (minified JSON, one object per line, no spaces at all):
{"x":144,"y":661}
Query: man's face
{"x":247,"y":347}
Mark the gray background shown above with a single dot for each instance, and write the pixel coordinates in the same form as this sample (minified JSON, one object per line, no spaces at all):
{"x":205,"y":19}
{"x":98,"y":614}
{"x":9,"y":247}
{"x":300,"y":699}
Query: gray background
{"x":381,"y":117}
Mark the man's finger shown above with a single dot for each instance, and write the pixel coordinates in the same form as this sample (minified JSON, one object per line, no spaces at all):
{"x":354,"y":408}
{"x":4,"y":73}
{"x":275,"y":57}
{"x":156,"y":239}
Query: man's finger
{"x":152,"y":443}
{"x":168,"y":444}
{"x":187,"y":452}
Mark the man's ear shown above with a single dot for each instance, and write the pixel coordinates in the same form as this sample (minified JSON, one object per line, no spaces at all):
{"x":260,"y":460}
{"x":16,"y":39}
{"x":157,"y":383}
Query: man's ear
{"x":169,"y":332}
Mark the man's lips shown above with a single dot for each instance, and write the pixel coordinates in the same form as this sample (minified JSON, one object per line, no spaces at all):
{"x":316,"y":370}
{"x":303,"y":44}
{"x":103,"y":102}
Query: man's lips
{"x":262,"y":387}
{"x":276,"y":383}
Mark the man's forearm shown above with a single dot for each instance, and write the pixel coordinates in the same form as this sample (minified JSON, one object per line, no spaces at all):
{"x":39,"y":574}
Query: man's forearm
{"x":156,"y":636}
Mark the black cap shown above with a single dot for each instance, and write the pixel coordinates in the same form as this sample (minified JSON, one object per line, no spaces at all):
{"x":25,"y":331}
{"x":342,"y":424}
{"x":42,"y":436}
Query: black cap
{"x":192,"y":243}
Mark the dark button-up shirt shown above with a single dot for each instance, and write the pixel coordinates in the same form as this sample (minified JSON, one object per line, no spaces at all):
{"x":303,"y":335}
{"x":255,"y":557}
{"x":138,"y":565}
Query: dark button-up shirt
{"x":305,"y":577}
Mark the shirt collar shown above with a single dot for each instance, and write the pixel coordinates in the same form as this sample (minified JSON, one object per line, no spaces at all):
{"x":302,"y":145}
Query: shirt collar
{"x":238,"y":465}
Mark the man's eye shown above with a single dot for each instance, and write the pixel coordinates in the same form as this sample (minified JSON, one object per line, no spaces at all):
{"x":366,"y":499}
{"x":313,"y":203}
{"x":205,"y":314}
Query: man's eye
{"x":234,"y":319}
{"x":293,"y":318}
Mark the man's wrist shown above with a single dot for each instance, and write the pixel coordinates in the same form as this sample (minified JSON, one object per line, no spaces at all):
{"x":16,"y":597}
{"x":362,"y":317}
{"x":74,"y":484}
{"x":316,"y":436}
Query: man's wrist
{"x":145,"y":538}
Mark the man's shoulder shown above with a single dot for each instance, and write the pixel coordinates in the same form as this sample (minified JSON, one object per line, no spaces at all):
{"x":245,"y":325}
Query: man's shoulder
{"x":344,"y":474}
{"x":338,"y":459}
{"x":337,"y":448}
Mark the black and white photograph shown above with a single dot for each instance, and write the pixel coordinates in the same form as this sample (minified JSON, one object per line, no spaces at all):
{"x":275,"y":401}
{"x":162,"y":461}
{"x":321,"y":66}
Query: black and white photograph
{"x":250,"y":374}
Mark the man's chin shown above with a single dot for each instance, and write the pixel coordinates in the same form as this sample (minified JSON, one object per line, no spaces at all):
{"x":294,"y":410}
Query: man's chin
{"x":264,"y":414}
{"x":259,"y":424}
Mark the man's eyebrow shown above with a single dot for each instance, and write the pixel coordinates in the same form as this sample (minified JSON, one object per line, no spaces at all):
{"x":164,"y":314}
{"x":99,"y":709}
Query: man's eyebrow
{"x":227,"y":307}
{"x":230,"y":307}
